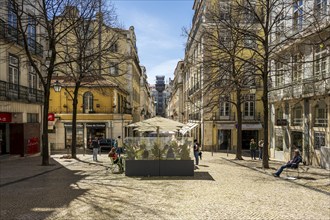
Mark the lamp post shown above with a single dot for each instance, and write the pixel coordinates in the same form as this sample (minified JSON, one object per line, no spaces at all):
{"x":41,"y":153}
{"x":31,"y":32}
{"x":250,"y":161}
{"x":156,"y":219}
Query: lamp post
{"x":57,"y":86}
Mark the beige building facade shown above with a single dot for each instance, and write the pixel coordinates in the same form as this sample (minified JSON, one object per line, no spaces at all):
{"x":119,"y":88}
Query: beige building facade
{"x":21,"y":94}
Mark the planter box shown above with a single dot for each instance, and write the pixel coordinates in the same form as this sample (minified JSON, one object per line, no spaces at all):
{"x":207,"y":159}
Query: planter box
{"x":159,"y":168}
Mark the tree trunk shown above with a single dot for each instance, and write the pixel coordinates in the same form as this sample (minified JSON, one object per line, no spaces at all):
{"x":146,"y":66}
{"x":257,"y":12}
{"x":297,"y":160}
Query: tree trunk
{"x":74,"y":121}
{"x":239,"y":125}
{"x":45,"y":150}
{"x":265,"y":156}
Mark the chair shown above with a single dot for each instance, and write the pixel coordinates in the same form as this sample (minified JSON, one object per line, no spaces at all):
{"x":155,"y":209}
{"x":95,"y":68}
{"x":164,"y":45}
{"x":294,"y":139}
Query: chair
{"x":298,"y":168}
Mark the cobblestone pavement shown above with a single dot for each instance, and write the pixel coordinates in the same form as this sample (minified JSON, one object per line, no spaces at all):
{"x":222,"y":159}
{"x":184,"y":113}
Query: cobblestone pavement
{"x":222,"y":188}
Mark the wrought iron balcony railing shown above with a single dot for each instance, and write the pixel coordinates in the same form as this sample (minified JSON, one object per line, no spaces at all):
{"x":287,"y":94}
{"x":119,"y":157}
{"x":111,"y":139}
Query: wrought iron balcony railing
{"x":13,"y":35}
{"x":14,"y":92}
{"x":321,"y":122}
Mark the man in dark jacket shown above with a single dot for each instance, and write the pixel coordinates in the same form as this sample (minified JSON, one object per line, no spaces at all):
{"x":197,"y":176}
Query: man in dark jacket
{"x":291,"y":164}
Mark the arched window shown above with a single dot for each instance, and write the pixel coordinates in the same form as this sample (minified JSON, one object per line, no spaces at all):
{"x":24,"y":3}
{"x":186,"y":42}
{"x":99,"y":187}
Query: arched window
{"x":88,"y":102}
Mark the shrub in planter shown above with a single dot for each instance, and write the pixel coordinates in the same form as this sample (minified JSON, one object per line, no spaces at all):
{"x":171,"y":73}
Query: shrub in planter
{"x":157,"y":152}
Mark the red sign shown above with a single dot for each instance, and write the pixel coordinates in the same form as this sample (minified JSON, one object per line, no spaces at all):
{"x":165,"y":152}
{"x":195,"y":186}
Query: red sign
{"x":33,"y":145}
{"x":51,"y":117}
{"x":5,"y":117}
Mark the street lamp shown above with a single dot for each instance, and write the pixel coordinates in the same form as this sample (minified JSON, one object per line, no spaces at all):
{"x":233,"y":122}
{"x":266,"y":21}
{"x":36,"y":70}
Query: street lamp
{"x":57,"y":86}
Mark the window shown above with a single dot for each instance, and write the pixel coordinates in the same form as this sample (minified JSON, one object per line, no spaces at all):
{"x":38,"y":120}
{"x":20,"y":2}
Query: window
{"x":249,"y":11}
{"x":319,"y":140}
{"x":298,"y":116}
{"x":224,"y":11}
{"x":249,"y":106}
{"x":321,"y":115}
{"x":12,"y":20}
{"x":32,"y":80}
{"x":32,"y":117}
{"x":225,"y":39}
{"x":88,"y":102}
{"x":298,"y":15}
{"x":250,"y":42}
{"x":114,"y":69}
{"x":297,"y":67}
{"x":13,"y":72}
{"x":249,"y":74}
{"x":32,"y":33}
{"x":320,"y":60}
{"x":114,"y":48}
{"x":320,"y":8}
{"x":280,"y":24}
{"x":279,"y":75}
{"x":224,"y":106}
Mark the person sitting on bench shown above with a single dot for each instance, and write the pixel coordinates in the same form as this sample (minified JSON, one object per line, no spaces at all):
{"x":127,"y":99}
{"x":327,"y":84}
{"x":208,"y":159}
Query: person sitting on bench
{"x":116,"y":158}
{"x":294,"y":163}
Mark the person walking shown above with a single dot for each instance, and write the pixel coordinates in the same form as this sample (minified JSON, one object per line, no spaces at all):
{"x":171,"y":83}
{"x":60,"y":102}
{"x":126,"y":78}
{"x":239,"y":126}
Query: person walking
{"x":261,"y":147}
{"x":96,"y":146}
{"x":119,"y":149}
{"x":196,"y":151}
{"x":253,"y":149}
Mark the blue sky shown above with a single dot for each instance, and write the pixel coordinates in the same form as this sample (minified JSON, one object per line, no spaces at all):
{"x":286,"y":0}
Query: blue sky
{"x":158,"y":28}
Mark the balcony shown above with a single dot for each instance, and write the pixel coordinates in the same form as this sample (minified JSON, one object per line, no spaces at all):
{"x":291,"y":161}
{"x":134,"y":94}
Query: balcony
{"x":12,"y":35}
{"x":230,"y":117}
{"x":80,"y":110}
{"x":255,"y":117}
{"x":297,"y":122}
{"x":195,"y":116}
{"x":321,"y":122}
{"x":14,"y":92}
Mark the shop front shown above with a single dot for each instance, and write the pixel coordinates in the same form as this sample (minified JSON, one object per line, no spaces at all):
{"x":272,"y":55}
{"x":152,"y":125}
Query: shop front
{"x":95,"y":130}
{"x":79,"y":136}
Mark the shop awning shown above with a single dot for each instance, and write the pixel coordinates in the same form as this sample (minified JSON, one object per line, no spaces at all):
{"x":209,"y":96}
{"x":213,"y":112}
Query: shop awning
{"x":188,"y":127}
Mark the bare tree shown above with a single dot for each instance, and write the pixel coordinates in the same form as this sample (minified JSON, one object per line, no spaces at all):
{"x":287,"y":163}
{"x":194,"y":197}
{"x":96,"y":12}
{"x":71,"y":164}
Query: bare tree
{"x":251,"y":26}
{"x":46,"y":15}
{"x":89,"y":53}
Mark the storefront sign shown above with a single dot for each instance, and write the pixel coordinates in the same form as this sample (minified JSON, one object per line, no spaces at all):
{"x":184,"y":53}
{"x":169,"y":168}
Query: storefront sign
{"x":95,"y":125}
{"x":51,"y":117}
{"x":69,"y":125}
{"x":5,"y":117}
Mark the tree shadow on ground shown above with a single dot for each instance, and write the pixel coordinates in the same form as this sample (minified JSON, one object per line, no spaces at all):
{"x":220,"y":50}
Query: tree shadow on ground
{"x":38,"y":194}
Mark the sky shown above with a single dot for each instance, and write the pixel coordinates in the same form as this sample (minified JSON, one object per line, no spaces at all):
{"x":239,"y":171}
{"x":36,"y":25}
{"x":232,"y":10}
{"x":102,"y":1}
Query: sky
{"x":158,"y":27}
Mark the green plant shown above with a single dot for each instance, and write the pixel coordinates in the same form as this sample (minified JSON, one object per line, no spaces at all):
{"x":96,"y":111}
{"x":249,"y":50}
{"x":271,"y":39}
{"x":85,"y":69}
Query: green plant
{"x":184,"y":153}
{"x":130,"y":151}
{"x":157,"y":152}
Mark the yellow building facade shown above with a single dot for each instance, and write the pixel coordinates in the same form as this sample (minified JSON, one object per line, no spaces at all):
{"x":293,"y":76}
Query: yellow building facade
{"x":109,"y":94}
{"x":209,"y":105}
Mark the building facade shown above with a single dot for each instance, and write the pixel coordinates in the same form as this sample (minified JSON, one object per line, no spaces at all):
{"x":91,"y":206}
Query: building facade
{"x":209,"y":103}
{"x":21,"y":94}
{"x":300,"y":98}
{"x":175,"y":104}
{"x":109,"y":96}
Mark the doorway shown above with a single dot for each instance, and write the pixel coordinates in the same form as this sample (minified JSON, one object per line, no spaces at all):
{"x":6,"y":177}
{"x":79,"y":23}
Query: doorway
{"x":224,"y":139}
{"x":297,"y":139}
{"x":246,"y":138}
